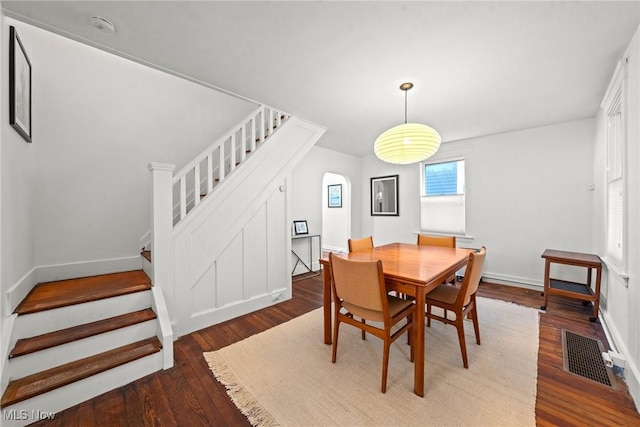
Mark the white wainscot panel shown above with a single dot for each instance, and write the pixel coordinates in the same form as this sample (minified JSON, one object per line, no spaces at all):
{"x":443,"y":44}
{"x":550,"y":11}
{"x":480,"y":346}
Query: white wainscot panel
{"x":229,"y":273}
{"x":278,"y":235}
{"x":203,"y":292}
{"x":255,"y":254}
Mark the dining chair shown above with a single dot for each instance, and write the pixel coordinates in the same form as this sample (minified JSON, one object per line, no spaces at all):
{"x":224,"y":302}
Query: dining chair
{"x":363,"y":244}
{"x":359,"y":292}
{"x":461,"y":300}
{"x":444,"y":241}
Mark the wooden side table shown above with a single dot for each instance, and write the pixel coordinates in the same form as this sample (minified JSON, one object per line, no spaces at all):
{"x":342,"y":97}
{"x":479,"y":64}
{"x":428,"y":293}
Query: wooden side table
{"x":581,"y":291}
{"x":309,"y":266}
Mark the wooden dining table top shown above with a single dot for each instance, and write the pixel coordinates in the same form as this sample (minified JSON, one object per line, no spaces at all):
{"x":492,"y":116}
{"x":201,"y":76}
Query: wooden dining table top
{"x":409,"y":262}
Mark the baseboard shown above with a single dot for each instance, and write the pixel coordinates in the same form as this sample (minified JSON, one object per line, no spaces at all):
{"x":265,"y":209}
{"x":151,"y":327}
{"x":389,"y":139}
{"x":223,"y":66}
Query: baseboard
{"x":145,"y":241}
{"x":20,"y":290}
{"x":6,"y":345}
{"x":165,"y":330}
{"x":631,"y":372}
{"x":206,"y":318}
{"x":519,"y":282}
{"x":50,"y":273}
{"x":335,"y":249}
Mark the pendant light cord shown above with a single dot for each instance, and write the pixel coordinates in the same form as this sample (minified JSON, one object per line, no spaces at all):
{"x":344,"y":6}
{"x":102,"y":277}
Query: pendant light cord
{"x":405,"y":87}
{"x":405,"y":107}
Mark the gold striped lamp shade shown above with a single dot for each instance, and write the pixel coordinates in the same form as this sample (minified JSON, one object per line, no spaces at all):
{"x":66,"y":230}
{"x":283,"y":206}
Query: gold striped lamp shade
{"x":407,"y":143}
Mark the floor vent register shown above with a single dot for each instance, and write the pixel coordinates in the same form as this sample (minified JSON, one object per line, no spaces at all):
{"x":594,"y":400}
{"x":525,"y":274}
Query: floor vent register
{"x":583,"y":356}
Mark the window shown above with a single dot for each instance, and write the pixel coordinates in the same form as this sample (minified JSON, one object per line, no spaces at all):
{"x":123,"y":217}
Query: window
{"x":444,"y":179}
{"x":614,"y":109}
{"x":442,"y":198}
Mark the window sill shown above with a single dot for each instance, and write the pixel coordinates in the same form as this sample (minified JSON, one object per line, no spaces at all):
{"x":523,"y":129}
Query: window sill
{"x":613,"y":268}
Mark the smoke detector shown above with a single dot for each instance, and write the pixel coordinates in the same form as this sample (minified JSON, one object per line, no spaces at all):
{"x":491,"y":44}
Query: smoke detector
{"x":103,"y":25}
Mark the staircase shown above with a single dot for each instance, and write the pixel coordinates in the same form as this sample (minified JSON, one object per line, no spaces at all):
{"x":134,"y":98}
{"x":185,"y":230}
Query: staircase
{"x":220,"y":226}
{"x":219,"y":248}
{"x":77,"y":339}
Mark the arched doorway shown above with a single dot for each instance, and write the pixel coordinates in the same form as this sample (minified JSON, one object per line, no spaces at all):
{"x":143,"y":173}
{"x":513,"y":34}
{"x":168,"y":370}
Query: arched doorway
{"x":336,"y":216}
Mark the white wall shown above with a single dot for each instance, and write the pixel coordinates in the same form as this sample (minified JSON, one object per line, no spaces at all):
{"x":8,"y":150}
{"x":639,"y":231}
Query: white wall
{"x":19,"y":202}
{"x":621,"y":302}
{"x":98,"y":120}
{"x":525,"y":191}
{"x":18,"y":180}
{"x":307,"y":192}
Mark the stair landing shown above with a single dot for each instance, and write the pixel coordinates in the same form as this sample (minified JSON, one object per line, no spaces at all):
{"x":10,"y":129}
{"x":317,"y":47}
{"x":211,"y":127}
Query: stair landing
{"x":62,"y":293}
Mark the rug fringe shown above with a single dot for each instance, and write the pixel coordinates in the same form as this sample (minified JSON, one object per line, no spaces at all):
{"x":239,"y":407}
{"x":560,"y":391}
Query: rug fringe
{"x":257,"y":415}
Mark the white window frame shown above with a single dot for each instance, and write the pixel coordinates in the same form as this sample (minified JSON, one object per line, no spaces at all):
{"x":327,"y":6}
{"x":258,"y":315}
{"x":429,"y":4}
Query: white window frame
{"x":614,"y":106}
{"x":453,"y":219}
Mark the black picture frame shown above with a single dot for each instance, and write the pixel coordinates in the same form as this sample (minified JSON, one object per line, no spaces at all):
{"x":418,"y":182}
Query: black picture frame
{"x":334,"y":195}
{"x":384,"y":196}
{"x":300,"y":227}
{"x":19,"y":86}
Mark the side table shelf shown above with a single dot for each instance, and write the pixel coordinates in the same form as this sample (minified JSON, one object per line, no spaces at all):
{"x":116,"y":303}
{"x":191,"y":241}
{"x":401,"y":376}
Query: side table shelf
{"x":573,"y":287}
{"x":581,"y":291}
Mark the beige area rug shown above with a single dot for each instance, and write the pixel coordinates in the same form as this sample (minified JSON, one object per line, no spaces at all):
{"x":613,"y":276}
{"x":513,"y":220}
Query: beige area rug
{"x":284,"y":376}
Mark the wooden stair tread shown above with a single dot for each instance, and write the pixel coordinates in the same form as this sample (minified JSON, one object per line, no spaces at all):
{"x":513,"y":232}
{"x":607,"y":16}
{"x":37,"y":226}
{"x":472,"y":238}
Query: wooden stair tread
{"x":42,"y":382}
{"x":49,"y":295}
{"x":52,"y":339}
{"x":147,"y":254}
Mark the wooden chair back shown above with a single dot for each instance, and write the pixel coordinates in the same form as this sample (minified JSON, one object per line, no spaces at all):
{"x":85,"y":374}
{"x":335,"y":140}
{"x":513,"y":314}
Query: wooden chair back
{"x":360,"y":286}
{"x":444,"y":241}
{"x":364,"y":244}
{"x":472,"y":276}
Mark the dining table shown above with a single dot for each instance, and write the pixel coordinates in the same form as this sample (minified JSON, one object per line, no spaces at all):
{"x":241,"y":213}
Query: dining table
{"x":408,"y":269}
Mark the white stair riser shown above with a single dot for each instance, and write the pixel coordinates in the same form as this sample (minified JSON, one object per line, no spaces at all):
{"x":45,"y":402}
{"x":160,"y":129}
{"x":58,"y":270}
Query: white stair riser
{"x":70,"y":395}
{"x":29,"y":325}
{"x":28,"y":364}
{"x":147,"y":268}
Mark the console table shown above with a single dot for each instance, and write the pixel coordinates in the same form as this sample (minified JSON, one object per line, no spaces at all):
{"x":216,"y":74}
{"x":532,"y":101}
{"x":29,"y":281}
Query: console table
{"x":581,"y":291}
{"x":309,"y":266}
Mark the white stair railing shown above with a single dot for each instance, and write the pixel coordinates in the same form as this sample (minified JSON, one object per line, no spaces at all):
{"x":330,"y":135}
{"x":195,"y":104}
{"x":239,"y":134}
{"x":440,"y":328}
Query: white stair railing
{"x":213,"y":165}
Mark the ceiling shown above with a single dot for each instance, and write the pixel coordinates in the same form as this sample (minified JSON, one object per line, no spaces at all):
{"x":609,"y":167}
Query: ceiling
{"x":479,"y":68}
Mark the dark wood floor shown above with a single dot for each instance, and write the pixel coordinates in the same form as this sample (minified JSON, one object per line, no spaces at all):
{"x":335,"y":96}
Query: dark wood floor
{"x":188,"y":395}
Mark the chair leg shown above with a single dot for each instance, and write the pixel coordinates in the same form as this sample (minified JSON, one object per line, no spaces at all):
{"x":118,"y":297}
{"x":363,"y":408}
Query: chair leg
{"x":428,"y":315}
{"x":474,"y":318}
{"x":364,"y":334}
{"x":334,"y":350}
{"x":385,"y":364}
{"x":463,"y":345}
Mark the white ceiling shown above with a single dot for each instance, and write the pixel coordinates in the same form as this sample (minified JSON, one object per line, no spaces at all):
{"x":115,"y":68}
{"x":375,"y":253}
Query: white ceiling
{"x":479,"y":68}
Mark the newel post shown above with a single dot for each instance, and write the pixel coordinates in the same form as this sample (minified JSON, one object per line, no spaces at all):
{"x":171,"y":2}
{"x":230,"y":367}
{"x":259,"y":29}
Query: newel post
{"x":162,"y":225}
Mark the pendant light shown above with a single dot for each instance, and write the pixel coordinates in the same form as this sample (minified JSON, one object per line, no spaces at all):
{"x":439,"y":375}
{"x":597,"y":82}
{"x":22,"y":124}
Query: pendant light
{"x":407,"y":143}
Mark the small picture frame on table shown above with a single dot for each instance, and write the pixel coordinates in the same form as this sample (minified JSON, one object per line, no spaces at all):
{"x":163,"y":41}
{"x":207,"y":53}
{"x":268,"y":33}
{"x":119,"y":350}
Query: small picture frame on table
{"x":300,"y":227}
